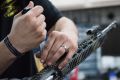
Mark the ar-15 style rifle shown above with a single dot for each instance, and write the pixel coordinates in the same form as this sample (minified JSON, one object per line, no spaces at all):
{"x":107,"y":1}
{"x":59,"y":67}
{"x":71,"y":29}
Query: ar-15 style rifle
{"x":93,"y":41}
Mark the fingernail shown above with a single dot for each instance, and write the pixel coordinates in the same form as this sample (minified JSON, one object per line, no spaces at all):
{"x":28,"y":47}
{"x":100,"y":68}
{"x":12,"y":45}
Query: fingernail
{"x":42,"y":61}
{"x":59,"y":67}
{"x":30,"y":5}
{"x":49,"y":63}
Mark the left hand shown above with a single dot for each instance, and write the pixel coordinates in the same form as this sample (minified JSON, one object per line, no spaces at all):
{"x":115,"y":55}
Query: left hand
{"x":58,"y":43}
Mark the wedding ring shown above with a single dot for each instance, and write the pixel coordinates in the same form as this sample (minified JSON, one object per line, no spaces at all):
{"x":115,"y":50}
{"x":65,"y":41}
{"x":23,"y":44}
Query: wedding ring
{"x":66,"y":49}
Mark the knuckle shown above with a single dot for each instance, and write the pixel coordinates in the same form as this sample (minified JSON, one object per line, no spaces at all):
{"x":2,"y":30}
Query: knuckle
{"x":43,"y":25}
{"x":61,"y":51}
{"x":75,"y":47}
{"x":52,"y":51}
{"x":40,"y":8}
{"x":42,"y":17}
{"x":44,"y":33}
{"x":46,"y":47}
{"x":28,"y":16}
{"x":55,"y":32}
{"x":52,"y":33}
{"x":55,"y":59}
{"x":62,"y":36}
{"x":64,"y":63}
{"x":67,"y":59}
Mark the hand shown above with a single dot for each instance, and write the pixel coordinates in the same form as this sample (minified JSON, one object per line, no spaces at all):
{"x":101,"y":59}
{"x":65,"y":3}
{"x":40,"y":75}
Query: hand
{"x":28,"y":30}
{"x":55,"y":48}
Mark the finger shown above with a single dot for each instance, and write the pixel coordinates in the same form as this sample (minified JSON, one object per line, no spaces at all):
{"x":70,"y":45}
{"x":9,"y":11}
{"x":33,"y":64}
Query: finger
{"x":30,"y":5}
{"x":67,"y":59}
{"x":47,"y":47}
{"x":43,"y":26}
{"x":36,"y":11}
{"x":57,"y":55}
{"x":40,"y":20}
{"x":58,"y":42}
{"x":43,"y":36}
{"x":41,"y":30}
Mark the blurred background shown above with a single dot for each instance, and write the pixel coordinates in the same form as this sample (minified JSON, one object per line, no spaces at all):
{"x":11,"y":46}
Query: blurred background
{"x":104,"y":63}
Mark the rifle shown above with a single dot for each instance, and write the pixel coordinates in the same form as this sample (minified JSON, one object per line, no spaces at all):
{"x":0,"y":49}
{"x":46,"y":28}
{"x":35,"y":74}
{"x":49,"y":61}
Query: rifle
{"x":94,"y":40}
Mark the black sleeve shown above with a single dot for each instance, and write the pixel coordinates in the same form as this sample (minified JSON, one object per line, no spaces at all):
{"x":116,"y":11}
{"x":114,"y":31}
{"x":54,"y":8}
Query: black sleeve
{"x":50,"y":12}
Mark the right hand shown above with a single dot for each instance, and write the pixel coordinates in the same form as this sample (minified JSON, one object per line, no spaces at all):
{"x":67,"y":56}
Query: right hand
{"x":28,"y":30}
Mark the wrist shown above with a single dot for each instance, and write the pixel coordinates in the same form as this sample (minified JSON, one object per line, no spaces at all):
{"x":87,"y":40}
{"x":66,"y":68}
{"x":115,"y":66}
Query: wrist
{"x":6,"y":51}
{"x":12,"y":49}
{"x":17,"y":45}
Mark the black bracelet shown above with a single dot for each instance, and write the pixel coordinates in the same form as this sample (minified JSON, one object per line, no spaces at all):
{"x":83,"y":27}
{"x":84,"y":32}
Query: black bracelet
{"x":11,"y":48}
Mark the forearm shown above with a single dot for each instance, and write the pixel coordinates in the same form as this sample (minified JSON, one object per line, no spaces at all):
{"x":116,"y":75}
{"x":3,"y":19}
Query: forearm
{"x":6,"y":57}
{"x":68,"y":27}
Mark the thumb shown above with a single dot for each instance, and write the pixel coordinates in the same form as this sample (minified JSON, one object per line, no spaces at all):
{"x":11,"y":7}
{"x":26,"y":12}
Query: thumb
{"x":30,"y":5}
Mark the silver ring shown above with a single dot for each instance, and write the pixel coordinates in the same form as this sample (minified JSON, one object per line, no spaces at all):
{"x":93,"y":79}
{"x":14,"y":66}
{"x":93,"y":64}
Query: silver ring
{"x":65,"y":47}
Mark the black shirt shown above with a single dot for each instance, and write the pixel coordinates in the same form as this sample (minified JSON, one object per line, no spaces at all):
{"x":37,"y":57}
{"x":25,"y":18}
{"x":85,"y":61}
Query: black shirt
{"x":24,"y":66}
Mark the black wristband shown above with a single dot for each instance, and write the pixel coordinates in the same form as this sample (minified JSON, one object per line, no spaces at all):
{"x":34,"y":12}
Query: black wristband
{"x":11,"y":48}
